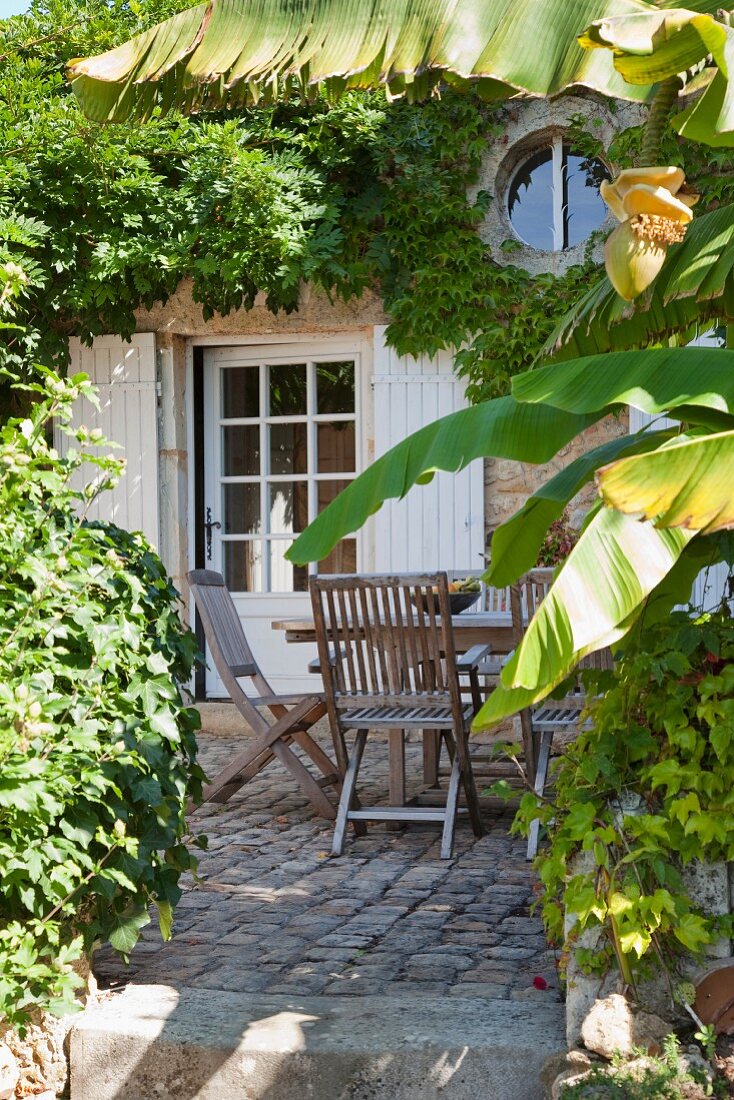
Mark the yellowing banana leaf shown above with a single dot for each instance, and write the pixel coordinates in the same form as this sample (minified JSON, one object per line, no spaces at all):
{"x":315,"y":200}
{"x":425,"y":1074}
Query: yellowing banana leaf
{"x":500,"y":428}
{"x":653,"y":46}
{"x":517,"y":542}
{"x":616,"y":564}
{"x":697,"y":383}
{"x":234,"y":52}
{"x":696,"y":285}
{"x":689,"y":484}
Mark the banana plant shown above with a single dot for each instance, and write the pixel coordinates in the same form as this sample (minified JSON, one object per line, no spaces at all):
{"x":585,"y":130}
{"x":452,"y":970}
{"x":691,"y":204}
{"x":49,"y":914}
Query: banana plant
{"x":229,"y":53}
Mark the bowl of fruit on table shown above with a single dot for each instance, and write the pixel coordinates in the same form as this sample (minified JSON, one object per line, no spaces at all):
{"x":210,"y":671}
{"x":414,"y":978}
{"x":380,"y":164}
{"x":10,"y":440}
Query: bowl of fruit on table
{"x":462,"y":594}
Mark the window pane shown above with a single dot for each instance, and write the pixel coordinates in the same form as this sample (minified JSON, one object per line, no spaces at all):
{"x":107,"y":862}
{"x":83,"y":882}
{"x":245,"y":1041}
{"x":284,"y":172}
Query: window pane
{"x":241,"y":451}
{"x":586,"y":210}
{"x":288,"y":503}
{"x":326,"y":491}
{"x":288,"y":448}
{"x":335,"y":387}
{"x":530,"y":200}
{"x":284,"y":576}
{"x":342,"y":559}
{"x":241,"y":509}
{"x":336,"y":450}
{"x":240,"y":392}
{"x":288,"y":389}
{"x":243,"y":566}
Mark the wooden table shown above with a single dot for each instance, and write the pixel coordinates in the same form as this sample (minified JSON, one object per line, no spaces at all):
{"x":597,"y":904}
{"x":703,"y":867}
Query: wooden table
{"x":492,"y":628}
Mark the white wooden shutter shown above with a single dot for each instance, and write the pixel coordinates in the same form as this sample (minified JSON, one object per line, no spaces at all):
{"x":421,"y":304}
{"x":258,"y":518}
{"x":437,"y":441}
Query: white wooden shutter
{"x":435,"y":526}
{"x":125,"y":377}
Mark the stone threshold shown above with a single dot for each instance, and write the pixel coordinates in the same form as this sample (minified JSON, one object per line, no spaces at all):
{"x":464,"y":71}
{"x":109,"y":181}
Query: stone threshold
{"x":154,"y":1042}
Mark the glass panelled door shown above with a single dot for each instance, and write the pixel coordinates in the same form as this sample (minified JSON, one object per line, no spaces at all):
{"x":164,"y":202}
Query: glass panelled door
{"x":281,"y":443}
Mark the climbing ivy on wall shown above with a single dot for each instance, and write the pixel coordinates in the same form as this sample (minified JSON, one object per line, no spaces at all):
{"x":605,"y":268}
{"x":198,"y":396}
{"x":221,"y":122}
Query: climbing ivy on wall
{"x":361,"y":195}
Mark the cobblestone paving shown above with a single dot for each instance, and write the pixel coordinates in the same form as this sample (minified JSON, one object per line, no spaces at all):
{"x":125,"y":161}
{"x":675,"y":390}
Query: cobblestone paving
{"x":275,"y":913}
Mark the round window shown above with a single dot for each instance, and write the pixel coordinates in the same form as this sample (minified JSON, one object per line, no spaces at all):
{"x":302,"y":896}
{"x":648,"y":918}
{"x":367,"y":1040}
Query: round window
{"x":554,"y":201}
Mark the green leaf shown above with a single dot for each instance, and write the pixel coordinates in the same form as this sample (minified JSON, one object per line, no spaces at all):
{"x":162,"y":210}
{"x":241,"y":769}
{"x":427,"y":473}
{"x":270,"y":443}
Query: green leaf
{"x":652,"y":47}
{"x":517,"y":542}
{"x":695,"y":285}
{"x":691,"y":931}
{"x":614,"y":566}
{"x":230,"y":53}
{"x":501,"y":428}
{"x":165,"y":918}
{"x":690,"y":484}
{"x":688,"y":381}
{"x":126,"y":928}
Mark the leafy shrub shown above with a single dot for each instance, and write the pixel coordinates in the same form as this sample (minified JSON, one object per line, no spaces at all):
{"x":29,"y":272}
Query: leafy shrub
{"x":97,"y":747}
{"x":667,"y":1077}
{"x":646,"y":789}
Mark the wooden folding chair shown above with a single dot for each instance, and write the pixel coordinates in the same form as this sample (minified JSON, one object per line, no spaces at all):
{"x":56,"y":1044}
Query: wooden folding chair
{"x":387,"y":656}
{"x":293,"y":715}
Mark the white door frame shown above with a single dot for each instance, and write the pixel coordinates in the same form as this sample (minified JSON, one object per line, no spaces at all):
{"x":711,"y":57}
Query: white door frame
{"x":357,"y":344}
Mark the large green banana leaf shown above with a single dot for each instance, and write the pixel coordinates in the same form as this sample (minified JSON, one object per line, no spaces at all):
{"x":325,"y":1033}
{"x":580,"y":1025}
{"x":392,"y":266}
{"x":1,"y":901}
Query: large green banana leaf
{"x":516,"y":543}
{"x":700,"y":553}
{"x":696,"y":383}
{"x":696,"y":285}
{"x":500,"y":428}
{"x":688,"y":484}
{"x":232,"y":52}
{"x":614,"y":567}
{"x":655,"y":46}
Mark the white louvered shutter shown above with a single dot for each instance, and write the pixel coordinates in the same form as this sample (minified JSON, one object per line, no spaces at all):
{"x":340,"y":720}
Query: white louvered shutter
{"x":435,"y":526}
{"x":125,"y":377}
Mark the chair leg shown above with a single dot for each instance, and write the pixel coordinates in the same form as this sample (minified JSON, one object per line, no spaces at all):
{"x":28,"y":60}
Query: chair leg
{"x":541,"y":775}
{"x":347,"y":795}
{"x":305,"y":780}
{"x":467,"y":782}
{"x":431,"y":755}
{"x":452,"y":803}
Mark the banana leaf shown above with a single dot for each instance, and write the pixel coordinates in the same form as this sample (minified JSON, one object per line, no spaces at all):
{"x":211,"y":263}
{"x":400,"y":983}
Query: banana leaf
{"x":235,"y":52}
{"x":675,"y":588}
{"x":696,"y":285}
{"x":653,"y":47}
{"x":689,"y":484}
{"x":517,"y":542}
{"x":616,"y":564}
{"x":695,"y":383}
{"x":501,"y":429}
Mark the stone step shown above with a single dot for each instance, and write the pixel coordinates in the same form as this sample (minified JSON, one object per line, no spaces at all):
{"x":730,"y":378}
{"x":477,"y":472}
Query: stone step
{"x":154,"y":1042}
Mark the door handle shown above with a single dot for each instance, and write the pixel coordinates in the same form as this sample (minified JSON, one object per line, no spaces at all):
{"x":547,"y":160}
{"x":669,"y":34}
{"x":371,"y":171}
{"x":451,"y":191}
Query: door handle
{"x":209,"y":527}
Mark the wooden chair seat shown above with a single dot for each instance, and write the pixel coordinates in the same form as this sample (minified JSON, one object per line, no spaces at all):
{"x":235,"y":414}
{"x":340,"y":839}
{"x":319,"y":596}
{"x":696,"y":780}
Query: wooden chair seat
{"x":292,"y":716}
{"x":404,"y":717}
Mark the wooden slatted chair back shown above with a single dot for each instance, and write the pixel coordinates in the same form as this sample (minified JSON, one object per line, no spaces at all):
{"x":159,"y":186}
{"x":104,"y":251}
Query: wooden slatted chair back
{"x":386,"y":639}
{"x":227,"y":642}
{"x":526,"y":596}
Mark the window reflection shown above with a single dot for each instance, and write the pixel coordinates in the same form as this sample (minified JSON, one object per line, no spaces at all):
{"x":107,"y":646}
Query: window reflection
{"x":288,"y":504}
{"x":240,"y":392}
{"x":335,"y":447}
{"x":335,"y":387}
{"x":243,"y":566}
{"x":241,"y":509}
{"x":554,"y":201}
{"x":284,"y":575}
{"x":287,"y":389}
{"x":241,"y":450}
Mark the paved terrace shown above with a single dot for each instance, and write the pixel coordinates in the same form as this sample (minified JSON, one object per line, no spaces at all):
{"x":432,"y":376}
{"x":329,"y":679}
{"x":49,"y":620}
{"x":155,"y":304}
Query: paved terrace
{"x":273,"y":912}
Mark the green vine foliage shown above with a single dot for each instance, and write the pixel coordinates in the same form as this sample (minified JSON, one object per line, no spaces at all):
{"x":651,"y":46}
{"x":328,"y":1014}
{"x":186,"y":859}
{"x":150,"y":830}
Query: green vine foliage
{"x":363,"y":195}
{"x":647,"y":788}
{"x":97,"y":745}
